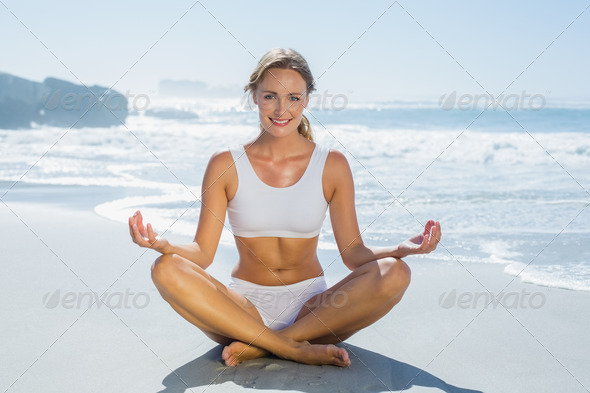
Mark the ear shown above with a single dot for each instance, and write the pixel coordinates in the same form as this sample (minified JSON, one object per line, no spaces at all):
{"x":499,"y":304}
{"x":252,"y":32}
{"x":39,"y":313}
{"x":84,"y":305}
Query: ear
{"x":255,"y":97}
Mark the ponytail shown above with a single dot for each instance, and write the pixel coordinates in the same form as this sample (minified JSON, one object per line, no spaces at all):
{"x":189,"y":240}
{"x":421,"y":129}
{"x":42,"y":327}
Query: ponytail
{"x":305,"y":128}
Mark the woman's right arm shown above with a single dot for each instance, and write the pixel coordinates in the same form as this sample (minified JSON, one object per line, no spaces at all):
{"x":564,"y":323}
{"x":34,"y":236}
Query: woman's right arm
{"x":212,"y":216}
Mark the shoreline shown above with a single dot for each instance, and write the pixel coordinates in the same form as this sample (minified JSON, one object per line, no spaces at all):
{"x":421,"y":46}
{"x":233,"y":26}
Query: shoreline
{"x":89,"y":198}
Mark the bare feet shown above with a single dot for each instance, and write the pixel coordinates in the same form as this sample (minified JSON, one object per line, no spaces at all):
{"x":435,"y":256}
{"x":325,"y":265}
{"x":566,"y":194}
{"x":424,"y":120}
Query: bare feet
{"x":236,"y":352}
{"x":303,"y":352}
{"x":321,"y":354}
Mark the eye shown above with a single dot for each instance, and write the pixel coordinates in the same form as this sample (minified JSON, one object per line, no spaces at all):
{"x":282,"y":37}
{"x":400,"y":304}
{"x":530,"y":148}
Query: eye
{"x":295,"y":98}
{"x":268,"y":97}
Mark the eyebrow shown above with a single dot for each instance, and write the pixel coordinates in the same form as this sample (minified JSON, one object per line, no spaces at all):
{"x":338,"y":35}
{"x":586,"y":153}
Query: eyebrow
{"x":274,"y":92}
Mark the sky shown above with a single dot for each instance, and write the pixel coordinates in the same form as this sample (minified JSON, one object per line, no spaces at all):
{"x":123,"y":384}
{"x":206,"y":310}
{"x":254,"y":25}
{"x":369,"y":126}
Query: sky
{"x":369,"y":51}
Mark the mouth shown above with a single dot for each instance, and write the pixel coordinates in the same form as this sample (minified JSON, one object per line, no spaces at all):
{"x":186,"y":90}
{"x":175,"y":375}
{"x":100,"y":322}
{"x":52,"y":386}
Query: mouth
{"x":280,"y":122}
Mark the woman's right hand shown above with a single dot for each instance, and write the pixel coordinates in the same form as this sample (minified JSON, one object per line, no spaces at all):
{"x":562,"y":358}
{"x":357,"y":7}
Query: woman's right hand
{"x":144,"y":236}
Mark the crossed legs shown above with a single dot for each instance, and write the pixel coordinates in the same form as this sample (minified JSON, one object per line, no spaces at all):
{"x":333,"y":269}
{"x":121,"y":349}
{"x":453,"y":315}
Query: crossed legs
{"x":228,"y":318}
{"x":357,"y":301}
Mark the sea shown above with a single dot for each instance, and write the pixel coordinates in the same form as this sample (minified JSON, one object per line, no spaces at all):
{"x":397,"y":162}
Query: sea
{"x":510,"y":187}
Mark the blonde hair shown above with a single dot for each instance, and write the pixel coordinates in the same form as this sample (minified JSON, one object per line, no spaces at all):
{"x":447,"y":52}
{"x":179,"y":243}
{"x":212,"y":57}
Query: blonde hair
{"x":284,"y":59}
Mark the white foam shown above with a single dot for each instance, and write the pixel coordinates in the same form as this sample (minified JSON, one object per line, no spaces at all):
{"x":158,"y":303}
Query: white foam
{"x":572,"y":276}
{"x":499,"y":252}
{"x":181,"y":220}
{"x":485,"y":184}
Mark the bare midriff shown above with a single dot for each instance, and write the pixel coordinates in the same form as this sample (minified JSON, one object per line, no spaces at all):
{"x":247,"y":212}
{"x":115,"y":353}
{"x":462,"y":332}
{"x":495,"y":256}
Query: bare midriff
{"x":277,"y":260}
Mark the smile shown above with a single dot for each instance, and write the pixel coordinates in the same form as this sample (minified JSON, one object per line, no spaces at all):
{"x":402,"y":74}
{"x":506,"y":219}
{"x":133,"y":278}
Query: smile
{"x":279,"y":122}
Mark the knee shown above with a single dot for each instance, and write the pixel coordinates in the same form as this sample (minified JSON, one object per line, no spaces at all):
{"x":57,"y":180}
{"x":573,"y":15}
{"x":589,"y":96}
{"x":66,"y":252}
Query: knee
{"x":164,"y":269}
{"x":395,"y":277}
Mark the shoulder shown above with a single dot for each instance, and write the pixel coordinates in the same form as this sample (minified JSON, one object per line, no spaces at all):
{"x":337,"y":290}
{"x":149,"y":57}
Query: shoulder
{"x":221,"y":165}
{"x":336,"y":161}
{"x":221,"y":157}
{"x":337,"y":174}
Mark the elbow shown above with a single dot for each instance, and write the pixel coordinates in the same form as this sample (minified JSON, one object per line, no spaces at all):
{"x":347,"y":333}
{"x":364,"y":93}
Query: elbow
{"x":352,"y":268}
{"x":350,"y":264}
{"x":205,"y":258}
{"x":201,"y":256}
{"x":352,"y":256}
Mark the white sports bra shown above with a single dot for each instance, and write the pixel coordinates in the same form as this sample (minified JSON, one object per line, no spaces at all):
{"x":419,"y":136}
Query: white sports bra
{"x":260,"y":210}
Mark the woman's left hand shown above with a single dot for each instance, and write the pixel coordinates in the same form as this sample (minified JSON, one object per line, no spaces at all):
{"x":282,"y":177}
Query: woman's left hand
{"x":424,"y":242}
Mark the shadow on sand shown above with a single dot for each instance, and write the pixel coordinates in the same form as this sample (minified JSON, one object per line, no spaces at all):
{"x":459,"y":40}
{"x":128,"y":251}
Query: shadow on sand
{"x":369,"y":372}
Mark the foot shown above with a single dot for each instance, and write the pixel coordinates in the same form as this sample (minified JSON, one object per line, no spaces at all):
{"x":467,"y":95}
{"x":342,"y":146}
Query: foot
{"x":320,"y":354}
{"x":236,"y":352}
{"x":303,"y":352}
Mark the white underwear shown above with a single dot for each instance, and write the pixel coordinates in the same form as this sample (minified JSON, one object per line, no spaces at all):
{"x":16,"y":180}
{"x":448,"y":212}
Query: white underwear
{"x":279,"y":305}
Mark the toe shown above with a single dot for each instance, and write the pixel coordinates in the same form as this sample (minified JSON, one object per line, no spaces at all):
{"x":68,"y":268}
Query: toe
{"x":343,"y":358}
{"x":225,"y":353}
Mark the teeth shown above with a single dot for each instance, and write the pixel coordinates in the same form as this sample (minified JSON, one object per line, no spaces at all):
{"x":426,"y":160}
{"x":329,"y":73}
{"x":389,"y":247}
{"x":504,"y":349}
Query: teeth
{"x":280,"y":122}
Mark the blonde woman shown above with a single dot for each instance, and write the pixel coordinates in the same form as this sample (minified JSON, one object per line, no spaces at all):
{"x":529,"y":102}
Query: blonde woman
{"x":276,"y":190}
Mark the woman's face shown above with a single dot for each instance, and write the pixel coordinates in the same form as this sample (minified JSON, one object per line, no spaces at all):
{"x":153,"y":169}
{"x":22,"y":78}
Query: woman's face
{"x":281,"y":98}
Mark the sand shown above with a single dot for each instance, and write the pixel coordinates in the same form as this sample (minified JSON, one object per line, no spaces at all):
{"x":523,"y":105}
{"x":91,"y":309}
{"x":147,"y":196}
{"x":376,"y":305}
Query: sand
{"x":57,"y":256}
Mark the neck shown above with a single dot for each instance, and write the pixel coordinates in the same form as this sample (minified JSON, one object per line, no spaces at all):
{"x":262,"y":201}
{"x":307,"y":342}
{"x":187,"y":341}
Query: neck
{"x":279,"y":148}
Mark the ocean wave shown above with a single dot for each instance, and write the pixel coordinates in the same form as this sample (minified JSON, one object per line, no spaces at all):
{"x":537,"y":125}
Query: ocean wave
{"x":571,"y":276}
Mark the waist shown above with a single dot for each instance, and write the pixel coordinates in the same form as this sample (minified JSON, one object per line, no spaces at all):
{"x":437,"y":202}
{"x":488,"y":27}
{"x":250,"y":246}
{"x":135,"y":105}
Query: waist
{"x":277,"y":261}
{"x":268,"y":276}
{"x":319,"y":281}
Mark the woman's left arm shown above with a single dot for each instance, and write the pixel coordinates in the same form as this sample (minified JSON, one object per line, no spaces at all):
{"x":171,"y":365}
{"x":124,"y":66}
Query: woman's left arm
{"x":354,"y":253}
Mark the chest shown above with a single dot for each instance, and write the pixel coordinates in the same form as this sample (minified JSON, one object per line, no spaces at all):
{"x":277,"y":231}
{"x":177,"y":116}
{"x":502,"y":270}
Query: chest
{"x":281,"y":174}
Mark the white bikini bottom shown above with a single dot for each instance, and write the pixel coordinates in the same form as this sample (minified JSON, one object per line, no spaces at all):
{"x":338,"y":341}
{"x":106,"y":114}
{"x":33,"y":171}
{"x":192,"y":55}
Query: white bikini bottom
{"x":279,"y":305}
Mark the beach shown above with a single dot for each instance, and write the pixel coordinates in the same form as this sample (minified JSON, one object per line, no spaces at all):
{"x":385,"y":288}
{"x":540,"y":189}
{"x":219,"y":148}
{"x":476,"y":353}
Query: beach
{"x":59,"y":256}
{"x":114,"y":108}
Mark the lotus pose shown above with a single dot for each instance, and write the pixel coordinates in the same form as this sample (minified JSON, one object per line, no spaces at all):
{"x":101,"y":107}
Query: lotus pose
{"x":276,"y":190}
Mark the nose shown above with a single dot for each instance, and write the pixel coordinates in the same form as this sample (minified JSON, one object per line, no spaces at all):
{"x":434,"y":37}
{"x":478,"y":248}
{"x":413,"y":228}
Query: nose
{"x":281,"y":106}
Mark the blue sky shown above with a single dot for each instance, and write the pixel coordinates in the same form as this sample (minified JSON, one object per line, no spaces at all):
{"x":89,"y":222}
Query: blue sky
{"x":370,"y":51}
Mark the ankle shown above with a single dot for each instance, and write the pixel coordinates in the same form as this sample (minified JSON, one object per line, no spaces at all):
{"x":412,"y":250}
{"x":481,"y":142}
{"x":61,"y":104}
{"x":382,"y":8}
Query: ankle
{"x":292,"y":349}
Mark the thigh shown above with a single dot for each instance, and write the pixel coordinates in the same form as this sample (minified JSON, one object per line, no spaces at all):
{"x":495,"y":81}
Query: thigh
{"x":379,"y":266}
{"x":317,"y":300}
{"x":184,"y":266}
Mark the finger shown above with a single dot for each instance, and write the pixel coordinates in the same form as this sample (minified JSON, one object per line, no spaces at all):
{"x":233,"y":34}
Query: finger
{"x":428,"y":227}
{"x":135,"y":235}
{"x":131,"y":231}
{"x":139,"y":221}
{"x":436,"y":238}
{"x":138,"y":238}
{"x":131,"y":226}
{"x":436,"y":233}
{"x":431,"y":240}
{"x":134,"y":217}
{"x":151,"y":234}
{"x":424,"y":243}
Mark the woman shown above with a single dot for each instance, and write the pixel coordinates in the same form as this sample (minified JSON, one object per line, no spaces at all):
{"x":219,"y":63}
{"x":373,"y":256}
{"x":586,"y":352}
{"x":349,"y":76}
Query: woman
{"x":276,"y":190}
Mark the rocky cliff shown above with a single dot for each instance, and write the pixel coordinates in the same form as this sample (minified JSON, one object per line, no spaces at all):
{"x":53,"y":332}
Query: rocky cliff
{"x":58,"y":103}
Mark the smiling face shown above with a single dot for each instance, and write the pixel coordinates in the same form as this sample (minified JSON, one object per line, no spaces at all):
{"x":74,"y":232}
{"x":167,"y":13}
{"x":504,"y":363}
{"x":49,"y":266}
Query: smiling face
{"x":281,"y":98}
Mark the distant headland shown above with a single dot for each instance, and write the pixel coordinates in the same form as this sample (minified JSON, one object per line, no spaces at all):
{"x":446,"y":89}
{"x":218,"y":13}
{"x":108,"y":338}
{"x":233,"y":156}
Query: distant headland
{"x":59,"y":103}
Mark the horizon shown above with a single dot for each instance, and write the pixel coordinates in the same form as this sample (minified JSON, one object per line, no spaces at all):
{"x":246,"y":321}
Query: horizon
{"x":509,"y":100}
{"x":374,"y":52}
